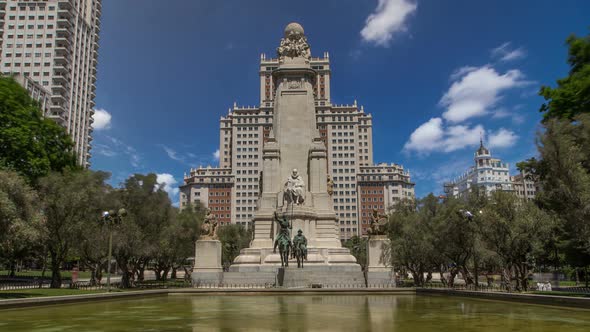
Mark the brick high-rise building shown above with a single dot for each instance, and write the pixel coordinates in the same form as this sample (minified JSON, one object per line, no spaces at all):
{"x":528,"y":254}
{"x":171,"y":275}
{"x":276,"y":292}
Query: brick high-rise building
{"x":345,"y":129}
{"x":52,"y":48}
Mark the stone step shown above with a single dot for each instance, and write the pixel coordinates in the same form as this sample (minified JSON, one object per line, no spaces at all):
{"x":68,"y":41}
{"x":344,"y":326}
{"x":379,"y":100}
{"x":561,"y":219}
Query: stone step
{"x":249,"y":278}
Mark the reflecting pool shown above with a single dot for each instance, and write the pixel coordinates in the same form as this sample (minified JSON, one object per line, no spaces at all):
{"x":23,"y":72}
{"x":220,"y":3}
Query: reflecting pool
{"x":296,"y":313}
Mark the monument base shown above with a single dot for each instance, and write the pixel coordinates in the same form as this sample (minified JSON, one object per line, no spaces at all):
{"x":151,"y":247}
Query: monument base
{"x":207,"y":269}
{"x":378,"y":273}
{"x":324,"y":277}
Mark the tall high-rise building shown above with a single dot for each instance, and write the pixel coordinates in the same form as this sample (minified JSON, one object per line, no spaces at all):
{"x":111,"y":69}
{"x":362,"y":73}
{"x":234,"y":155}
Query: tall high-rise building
{"x":232,"y":190}
{"x":52,"y":48}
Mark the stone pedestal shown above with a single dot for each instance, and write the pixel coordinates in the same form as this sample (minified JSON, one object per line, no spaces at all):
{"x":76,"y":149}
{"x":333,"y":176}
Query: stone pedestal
{"x":207,"y":269}
{"x":378,"y":273}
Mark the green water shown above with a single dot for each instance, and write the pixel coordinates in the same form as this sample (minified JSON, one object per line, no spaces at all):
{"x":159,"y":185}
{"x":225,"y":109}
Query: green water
{"x":297,"y":313}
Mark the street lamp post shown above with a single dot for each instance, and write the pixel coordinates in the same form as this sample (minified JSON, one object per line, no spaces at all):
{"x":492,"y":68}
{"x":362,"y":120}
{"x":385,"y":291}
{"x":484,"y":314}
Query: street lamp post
{"x":110,"y":218}
{"x":469,"y":216}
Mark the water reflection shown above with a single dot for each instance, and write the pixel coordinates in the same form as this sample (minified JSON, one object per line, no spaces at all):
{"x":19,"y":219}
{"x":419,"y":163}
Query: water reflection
{"x":296,"y":313}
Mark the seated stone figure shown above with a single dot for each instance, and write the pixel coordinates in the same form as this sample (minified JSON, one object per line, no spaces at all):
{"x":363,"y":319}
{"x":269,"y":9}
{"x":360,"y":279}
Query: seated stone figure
{"x":294,"y":192}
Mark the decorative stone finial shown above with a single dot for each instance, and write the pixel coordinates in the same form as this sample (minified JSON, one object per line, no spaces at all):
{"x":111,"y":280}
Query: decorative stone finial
{"x":294,"y":28}
{"x":294,"y":44}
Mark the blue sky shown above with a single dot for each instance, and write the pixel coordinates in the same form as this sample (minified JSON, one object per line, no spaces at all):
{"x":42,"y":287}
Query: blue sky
{"x":434,"y":74}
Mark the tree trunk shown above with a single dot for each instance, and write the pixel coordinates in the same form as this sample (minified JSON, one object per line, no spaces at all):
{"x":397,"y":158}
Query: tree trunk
{"x":12,"y":269}
{"x":187,"y":274}
{"x":443,"y":280}
{"x":158,"y":274}
{"x":467,"y":276}
{"x":43,"y":271}
{"x":173,"y":275}
{"x":507,"y":279}
{"x":452,"y":274}
{"x":55,"y":271}
{"x":55,"y":277}
{"x":165,"y":273}
{"x":92,"y":276}
{"x":126,"y":274}
{"x":140,"y":270}
{"x":417,"y":279}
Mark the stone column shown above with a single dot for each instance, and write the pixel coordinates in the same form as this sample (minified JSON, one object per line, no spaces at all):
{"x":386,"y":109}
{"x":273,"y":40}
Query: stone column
{"x":378,"y":273}
{"x":207,"y":269}
{"x":267,"y":202}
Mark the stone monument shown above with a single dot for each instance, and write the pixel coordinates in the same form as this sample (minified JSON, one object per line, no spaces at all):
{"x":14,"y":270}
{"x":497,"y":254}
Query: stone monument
{"x":295,"y":176}
{"x":207,"y":269}
{"x":379,"y":274}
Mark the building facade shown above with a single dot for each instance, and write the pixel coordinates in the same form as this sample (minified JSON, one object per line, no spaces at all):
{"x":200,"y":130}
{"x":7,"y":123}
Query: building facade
{"x":524,"y":187}
{"x":380,"y":187}
{"x":490,"y":174}
{"x":346,"y":130}
{"x":52,"y":45}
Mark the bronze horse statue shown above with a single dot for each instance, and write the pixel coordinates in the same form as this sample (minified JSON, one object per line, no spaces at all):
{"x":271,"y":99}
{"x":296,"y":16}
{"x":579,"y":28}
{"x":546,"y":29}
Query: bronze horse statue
{"x":283,"y":240}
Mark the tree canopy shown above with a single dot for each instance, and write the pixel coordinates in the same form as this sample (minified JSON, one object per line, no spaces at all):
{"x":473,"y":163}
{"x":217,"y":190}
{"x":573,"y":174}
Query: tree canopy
{"x":571,"y":97}
{"x":29,"y":143}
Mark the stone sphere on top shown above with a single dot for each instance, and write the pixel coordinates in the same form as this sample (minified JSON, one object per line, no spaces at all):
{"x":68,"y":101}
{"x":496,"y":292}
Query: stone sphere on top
{"x":293,"y":27}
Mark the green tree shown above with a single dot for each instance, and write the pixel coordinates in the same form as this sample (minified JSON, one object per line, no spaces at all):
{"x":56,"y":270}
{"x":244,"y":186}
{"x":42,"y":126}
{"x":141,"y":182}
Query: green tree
{"x":358,"y":248}
{"x":187,"y":230}
{"x":92,"y":247}
{"x":563,"y":169}
{"x":29,"y":143}
{"x":571,"y":97}
{"x":411,"y":238}
{"x":456,"y":239}
{"x":20,"y":219}
{"x":233,"y":238}
{"x":71,"y":201}
{"x":140,"y":239}
{"x":564,"y":175}
{"x":516,"y":231}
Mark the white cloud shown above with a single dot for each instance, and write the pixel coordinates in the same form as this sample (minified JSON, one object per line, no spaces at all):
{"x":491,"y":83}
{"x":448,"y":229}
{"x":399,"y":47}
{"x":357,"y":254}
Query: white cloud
{"x":505,"y":53}
{"x":388,"y":19}
{"x":502,"y":138}
{"x":168,"y":184}
{"x":426,"y":137}
{"x":171,"y":153}
{"x":459,"y":137}
{"x":103,"y":150}
{"x":102,"y":119}
{"x":216,"y":154}
{"x":433,"y":136}
{"x":503,"y":113}
{"x":119,"y":147}
{"x":457,"y":74}
{"x":476,"y":90}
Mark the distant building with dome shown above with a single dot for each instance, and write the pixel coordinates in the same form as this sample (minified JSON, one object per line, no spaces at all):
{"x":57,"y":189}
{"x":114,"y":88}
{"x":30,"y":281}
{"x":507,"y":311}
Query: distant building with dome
{"x":490,"y":174}
{"x":487,"y":173}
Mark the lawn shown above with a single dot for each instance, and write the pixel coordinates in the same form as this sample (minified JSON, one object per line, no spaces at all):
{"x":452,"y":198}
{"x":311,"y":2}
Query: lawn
{"x":42,"y":292}
{"x":556,"y":293}
{"x":37,"y":273}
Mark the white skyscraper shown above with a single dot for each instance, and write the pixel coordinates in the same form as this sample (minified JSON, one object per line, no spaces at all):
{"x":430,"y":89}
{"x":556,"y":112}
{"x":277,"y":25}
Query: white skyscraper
{"x":52,"y":48}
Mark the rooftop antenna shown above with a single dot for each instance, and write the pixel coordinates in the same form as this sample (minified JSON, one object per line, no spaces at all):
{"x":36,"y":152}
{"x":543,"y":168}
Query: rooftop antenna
{"x":481,"y":138}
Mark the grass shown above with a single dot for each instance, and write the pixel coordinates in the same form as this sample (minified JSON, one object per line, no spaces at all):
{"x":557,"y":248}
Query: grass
{"x":571,"y":284}
{"x":556,"y":293}
{"x":37,"y":273}
{"x":42,"y":292}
